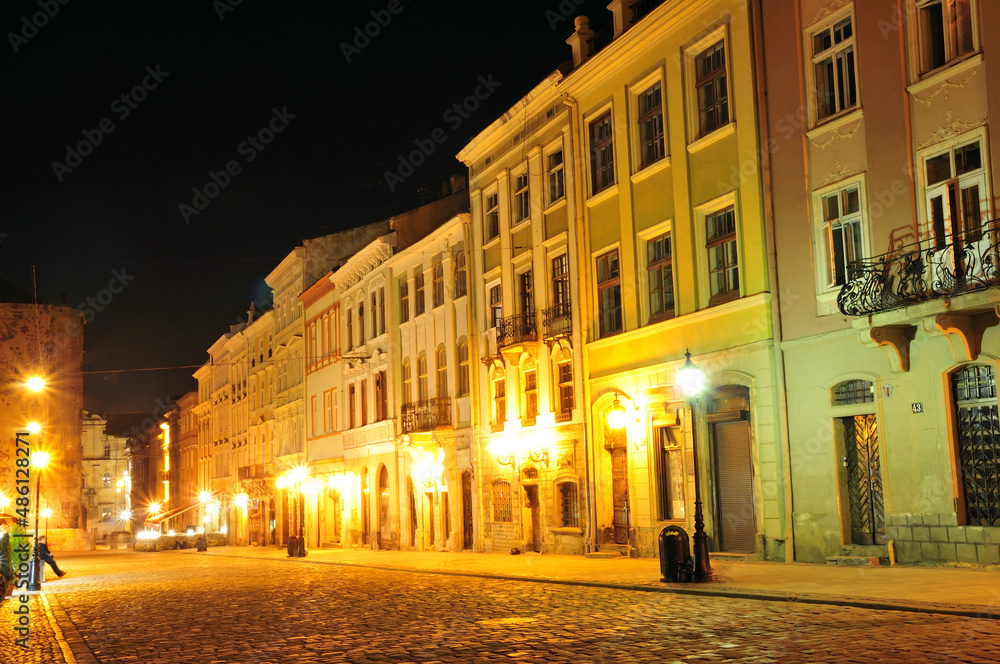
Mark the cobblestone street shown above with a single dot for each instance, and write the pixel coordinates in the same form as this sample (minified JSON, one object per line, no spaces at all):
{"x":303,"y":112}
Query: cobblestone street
{"x":183,"y":607}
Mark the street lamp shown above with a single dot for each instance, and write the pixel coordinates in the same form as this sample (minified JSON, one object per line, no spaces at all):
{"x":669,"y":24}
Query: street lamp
{"x":38,"y":461}
{"x":35,"y":383}
{"x":692,"y":382}
{"x":294,"y":481}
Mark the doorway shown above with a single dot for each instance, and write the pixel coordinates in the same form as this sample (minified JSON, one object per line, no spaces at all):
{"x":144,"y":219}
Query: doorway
{"x":466,"y":510}
{"x":729,"y":428}
{"x":533,"y":539}
{"x":384,"y":529}
{"x":864,"y":479}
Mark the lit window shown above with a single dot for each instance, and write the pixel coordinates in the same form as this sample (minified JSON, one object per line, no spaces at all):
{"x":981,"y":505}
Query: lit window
{"x":609,"y":293}
{"x":602,"y":158}
{"x":463,"y":370}
{"x":106,"y":480}
{"x":522,"y":202}
{"x":660,"y":277}
{"x":530,"y":395}
{"x":437,"y":283}
{"x":406,"y":382}
{"x":711,"y":88}
{"x":834,"y":68}
{"x":570,"y":505}
{"x":564,"y":380}
{"x":422,"y":378}
{"x":555,"y":176}
{"x":496,"y":305}
{"x":955,"y":194}
{"x":944,"y":32}
{"x":441,"y":360}
{"x":461,"y":279}
{"x":651,"y":142}
{"x":499,"y":398}
{"x":723,"y":263}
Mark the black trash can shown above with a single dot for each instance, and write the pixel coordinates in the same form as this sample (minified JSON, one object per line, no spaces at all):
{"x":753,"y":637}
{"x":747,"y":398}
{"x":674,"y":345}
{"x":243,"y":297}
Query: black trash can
{"x":675,"y":555}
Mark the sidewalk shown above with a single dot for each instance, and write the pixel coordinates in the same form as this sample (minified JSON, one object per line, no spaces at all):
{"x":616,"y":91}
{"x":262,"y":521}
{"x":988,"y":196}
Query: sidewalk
{"x":967,"y":592}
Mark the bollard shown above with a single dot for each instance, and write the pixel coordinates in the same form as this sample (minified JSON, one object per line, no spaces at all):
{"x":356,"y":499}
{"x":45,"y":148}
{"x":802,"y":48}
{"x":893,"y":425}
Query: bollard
{"x":675,"y":555}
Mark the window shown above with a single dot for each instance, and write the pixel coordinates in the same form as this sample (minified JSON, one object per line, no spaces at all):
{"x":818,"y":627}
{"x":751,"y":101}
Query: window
{"x":418,"y":290}
{"x":557,"y":189}
{"x":350,"y":329}
{"x":570,"y":505}
{"x":314,"y":415}
{"x":834,"y":68}
{"x":530,"y":395}
{"x":375,"y":332}
{"x":381,"y":397}
{"x":404,"y":300}
{"x":609,"y":293}
{"x":944,"y":32}
{"x":381,"y":311}
{"x":955,"y":193}
{"x":668,"y":465}
{"x":107,"y":450}
{"x":361,"y":324}
{"x":560,"y":281}
{"x":527,"y":301}
{"x":422,"y":378}
{"x":651,"y":143}
{"x":363,"y":398}
{"x":842,"y":232}
{"x":723,"y":265}
{"x":853,"y":392}
{"x":106,"y":480}
{"x":407,"y":394}
{"x":463,"y":370}
{"x":602,"y":158}
{"x":491,"y":225}
{"x":502,"y":510}
{"x":441,"y":360}
{"x":461,"y":279}
{"x":496,"y":305}
{"x":437,"y":283}
{"x":522,"y":201}
{"x":711,"y":88}
{"x":499,"y":397}
{"x":974,"y":390}
{"x":660,"y":277}
{"x":564,"y":387}
{"x":350,"y":406}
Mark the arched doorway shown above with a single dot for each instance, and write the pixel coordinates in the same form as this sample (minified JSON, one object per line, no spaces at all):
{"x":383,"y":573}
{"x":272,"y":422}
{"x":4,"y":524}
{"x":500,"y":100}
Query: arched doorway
{"x":384,"y":529}
{"x":616,"y":444}
{"x":729,"y":431}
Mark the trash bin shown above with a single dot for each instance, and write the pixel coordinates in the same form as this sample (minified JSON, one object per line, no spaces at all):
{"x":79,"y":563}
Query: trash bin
{"x":201,"y":544}
{"x":675,"y":555}
{"x":293,"y":546}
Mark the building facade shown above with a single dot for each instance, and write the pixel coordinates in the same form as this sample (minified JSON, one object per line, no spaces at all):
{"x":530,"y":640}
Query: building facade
{"x":105,"y":476}
{"x":883,"y":166}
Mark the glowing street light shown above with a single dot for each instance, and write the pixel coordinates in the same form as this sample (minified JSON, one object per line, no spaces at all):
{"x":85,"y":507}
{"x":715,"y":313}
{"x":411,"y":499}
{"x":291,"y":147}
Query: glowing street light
{"x":154,"y":508}
{"x":33,"y":427}
{"x":39,"y":460}
{"x":35,"y":383}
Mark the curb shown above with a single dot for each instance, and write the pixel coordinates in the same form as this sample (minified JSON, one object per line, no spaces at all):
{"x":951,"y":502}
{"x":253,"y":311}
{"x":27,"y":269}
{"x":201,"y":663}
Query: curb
{"x":734,"y":593}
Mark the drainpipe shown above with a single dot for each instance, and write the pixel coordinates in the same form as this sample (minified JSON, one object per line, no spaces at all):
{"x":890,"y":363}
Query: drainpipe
{"x":755,"y":10}
{"x":582,"y":264}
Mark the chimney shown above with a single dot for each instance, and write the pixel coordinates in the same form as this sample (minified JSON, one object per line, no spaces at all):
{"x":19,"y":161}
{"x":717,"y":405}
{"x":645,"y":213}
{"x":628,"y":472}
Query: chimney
{"x":250,"y":313}
{"x":622,"y":11}
{"x":580,"y":40}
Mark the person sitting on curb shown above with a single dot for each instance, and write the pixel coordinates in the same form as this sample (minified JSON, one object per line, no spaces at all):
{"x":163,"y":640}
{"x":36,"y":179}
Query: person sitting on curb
{"x":46,"y":555}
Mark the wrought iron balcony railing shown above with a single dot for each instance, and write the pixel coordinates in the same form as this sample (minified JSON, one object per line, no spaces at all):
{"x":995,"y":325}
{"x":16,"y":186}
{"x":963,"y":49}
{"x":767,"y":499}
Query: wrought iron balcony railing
{"x":922,"y":271}
{"x":557,"y":320}
{"x":516,"y":329}
{"x":426,"y":415}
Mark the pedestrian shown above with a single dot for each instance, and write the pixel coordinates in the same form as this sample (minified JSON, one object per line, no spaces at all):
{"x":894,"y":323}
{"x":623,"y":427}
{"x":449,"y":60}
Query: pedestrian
{"x":46,"y":555}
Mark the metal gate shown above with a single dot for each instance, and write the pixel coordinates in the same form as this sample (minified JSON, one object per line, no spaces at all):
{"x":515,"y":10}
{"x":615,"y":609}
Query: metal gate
{"x":975,"y":392}
{"x":864,"y":480}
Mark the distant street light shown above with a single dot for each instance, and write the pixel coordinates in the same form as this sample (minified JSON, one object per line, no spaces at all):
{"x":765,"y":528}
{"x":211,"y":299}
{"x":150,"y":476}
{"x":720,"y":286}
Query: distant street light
{"x":35,"y":383}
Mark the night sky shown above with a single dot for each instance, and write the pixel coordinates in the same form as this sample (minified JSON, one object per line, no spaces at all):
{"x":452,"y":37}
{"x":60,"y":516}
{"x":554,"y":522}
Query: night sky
{"x":115,"y":112}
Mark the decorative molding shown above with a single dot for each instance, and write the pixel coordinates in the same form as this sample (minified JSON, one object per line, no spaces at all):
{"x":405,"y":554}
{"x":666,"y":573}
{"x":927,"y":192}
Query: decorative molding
{"x":894,"y":340}
{"x":840,"y":173}
{"x":829,"y":8}
{"x":837,"y":135}
{"x":950,"y":130}
{"x":964,"y":332}
{"x":945,"y":86}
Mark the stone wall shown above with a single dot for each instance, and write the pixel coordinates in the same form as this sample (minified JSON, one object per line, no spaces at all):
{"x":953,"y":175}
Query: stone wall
{"x":938,"y":538}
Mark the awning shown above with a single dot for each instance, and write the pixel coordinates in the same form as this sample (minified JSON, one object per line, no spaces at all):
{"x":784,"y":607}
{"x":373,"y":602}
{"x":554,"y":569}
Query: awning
{"x":163,"y":516}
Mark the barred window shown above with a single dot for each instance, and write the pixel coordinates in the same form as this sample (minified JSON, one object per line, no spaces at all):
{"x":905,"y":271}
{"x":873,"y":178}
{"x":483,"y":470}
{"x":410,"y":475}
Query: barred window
{"x":570,"y":503}
{"x":853,"y":392}
{"x":502,"y":509}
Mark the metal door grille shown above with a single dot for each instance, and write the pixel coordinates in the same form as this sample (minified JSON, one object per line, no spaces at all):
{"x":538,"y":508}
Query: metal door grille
{"x":864,"y":480}
{"x":978,"y":443}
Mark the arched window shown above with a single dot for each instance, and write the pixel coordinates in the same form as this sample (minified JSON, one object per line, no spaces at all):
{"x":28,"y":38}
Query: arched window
{"x":502,"y":510}
{"x":974,"y":393}
{"x":462,"y":388}
{"x":853,"y":392}
{"x":106,"y":480}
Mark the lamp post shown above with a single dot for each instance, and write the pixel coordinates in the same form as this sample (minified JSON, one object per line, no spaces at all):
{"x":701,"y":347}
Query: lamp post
{"x":298,"y":479}
{"x":38,"y":461}
{"x":692,"y":382}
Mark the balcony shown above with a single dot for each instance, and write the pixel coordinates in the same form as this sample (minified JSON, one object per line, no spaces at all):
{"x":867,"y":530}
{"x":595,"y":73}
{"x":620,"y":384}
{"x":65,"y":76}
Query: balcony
{"x":426,"y":415}
{"x":516,"y":329}
{"x":921,"y":272}
{"x":557,"y":320}
{"x":255,"y":471}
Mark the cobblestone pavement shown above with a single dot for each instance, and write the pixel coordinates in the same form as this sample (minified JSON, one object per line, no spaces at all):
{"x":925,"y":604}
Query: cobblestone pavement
{"x":182,"y":607}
